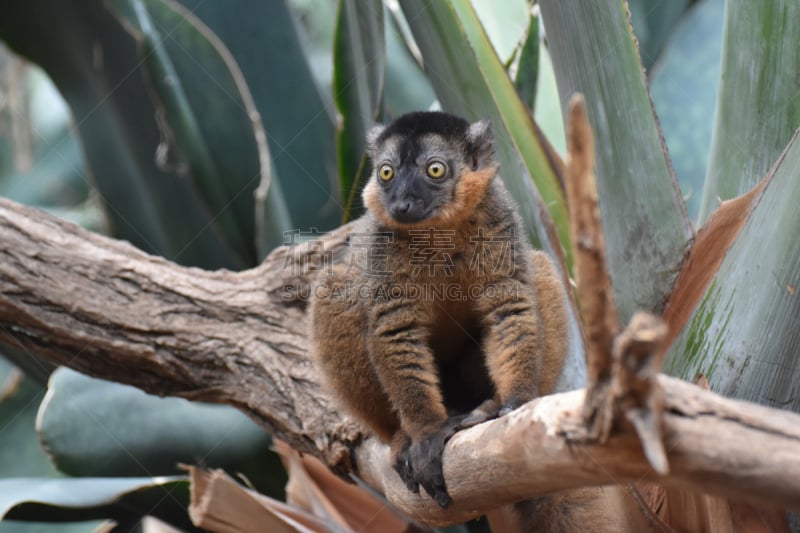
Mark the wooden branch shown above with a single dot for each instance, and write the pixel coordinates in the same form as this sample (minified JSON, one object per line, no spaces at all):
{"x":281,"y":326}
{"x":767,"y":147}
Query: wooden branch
{"x":104,"y":308}
{"x":711,"y":446}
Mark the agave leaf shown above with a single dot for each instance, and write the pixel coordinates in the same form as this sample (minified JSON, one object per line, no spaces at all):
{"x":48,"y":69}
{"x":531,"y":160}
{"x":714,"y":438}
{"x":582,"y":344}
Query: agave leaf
{"x":20,"y":454}
{"x":683,"y":84}
{"x":66,"y":500}
{"x":743,"y":335}
{"x":528,"y":66}
{"x":644,"y":219}
{"x":94,"y":62}
{"x":92,"y":427}
{"x":263,"y":39}
{"x":359,"y":57}
{"x":758,"y":107}
{"x":203,"y":118}
{"x":470,"y":81}
{"x":407,"y":88}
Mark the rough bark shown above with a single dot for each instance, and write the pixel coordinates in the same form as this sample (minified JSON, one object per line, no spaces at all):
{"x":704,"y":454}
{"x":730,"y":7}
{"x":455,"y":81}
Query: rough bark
{"x":104,"y":308}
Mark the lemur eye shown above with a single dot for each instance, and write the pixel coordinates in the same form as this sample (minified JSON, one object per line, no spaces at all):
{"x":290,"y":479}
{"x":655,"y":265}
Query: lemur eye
{"x":386,"y":172}
{"x":436,"y":169}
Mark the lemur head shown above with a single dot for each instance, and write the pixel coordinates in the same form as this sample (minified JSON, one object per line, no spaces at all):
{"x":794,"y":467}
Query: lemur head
{"x":429,"y":168}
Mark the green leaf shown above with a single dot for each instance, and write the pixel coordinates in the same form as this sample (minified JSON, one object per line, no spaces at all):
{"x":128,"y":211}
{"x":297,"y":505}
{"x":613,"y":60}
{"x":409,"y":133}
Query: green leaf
{"x":743,"y":334}
{"x":470,"y":81}
{"x":359,"y":66}
{"x":20,"y":454}
{"x":758,"y":107}
{"x":683,"y":84}
{"x":407,"y":88}
{"x":263,"y":39}
{"x":528,"y":66}
{"x":64,"y":500}
{"x":92,"y":427}
{"x":94,"y":63}
{"x":644,"y":220}
{"x":203,"y":117}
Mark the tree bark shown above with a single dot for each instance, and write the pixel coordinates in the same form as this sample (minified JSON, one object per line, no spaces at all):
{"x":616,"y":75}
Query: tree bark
{"x":104,"y":308}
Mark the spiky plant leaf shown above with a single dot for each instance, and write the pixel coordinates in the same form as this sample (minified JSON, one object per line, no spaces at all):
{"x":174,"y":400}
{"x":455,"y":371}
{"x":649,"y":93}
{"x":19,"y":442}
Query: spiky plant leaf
{"x":95,"y":64}
{"x":743,"y":335}
{"x":358,"y":78}
{"x":297,"y":114}
{"x":644,"y":219}
{"x":758,"y":107}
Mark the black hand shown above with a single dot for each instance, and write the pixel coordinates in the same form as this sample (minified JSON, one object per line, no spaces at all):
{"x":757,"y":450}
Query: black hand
{"x":425,"y":458}
{"x":402,"y":465}
{"x":421,"y":463}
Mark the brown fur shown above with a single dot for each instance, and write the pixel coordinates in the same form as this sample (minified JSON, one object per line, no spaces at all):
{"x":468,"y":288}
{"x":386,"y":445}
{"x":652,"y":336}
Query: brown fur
{"x":553,"y":314}
{"x":598,"y":509}
{"x":390,"y":358}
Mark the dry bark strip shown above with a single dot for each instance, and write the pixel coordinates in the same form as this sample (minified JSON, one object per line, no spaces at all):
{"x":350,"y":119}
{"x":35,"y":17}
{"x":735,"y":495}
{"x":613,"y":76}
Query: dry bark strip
{"x":622,"y":367}
{"x":102,"y":307}
{"x":593,"y":282}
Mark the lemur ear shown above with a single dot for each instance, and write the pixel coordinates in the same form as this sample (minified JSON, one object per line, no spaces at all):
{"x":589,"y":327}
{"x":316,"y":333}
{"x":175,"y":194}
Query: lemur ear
{"x":372,"y":138}
{"x":480,"y":143}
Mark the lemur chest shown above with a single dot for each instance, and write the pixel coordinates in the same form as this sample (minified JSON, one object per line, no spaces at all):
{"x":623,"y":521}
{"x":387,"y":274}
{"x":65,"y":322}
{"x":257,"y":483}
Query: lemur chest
{"x":454,"y":329}
{"x":450,"y":286}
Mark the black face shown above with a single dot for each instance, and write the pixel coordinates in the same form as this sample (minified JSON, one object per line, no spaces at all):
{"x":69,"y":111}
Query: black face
{"x":416,"y":185}
{"x":415,"y":191}
{"x":415,"y":163}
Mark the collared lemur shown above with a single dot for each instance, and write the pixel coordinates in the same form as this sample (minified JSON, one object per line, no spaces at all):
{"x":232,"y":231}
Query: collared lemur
{"x":442,"y":305}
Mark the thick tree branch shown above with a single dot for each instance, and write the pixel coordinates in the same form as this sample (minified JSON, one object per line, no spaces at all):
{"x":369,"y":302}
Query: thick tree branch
{"x":731,"y":448}
{"x":104,"y":308}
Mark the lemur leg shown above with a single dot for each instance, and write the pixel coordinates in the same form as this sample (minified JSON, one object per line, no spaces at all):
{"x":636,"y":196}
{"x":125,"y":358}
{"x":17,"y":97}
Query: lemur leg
{"x":551,"y":302}
{"x":513,"y":342}
{"x":526,"y":336}
{"x":339,"y":346}
{"x":398,"y":347}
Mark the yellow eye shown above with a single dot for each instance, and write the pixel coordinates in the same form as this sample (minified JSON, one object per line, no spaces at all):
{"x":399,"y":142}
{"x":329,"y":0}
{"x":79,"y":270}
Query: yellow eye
{"x":436,"y":169}
{"x":386,"y":172}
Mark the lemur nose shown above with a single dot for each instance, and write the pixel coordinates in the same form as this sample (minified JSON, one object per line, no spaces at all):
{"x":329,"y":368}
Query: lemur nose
{"x":403,"y":207}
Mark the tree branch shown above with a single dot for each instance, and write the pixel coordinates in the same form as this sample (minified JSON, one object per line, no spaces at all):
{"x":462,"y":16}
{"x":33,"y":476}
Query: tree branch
{"x":102,"y":307}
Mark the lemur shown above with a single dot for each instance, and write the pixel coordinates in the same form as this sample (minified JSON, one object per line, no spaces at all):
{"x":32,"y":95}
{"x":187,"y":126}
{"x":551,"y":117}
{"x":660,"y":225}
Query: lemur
{"x":441,"y":306}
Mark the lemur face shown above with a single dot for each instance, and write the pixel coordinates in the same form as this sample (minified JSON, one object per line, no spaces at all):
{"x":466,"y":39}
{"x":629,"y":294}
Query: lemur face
{"x":419,"y":158}
{"x":416,"y":175}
